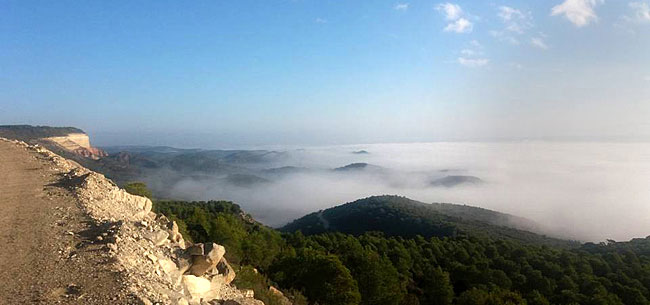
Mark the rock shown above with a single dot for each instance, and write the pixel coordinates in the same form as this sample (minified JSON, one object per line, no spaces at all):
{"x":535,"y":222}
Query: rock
{"x":283,"y":300}
{"x":275,"y":291}
{"x":196,"y":286}
{"x":226,"y":271}
{"x":157,"y":237}
{"x":213,"y":253}
{"x":195,"y":249}
{"x":167,"y":265}
{"x":112,"y":246}
{"x":248,"y":293}
{"x":175,"y":235}
{"x":243,"y":301}
{"x":181,"y":301}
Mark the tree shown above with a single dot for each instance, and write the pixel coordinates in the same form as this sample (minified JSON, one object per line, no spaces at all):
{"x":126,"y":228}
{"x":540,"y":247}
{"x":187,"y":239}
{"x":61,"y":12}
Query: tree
{"x":437,"y":287}
{"x":138,"y":188}
{"x":322,"y":278}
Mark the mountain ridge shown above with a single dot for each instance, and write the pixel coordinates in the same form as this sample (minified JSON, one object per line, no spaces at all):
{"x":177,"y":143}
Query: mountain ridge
{"x":400,"y":216}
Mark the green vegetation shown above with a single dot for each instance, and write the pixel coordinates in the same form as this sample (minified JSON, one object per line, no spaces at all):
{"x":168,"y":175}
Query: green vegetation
{"x":400,"y":216}
{"x":28,"y":132}
{"x":380,"y":268}
{"x":138,"y":188}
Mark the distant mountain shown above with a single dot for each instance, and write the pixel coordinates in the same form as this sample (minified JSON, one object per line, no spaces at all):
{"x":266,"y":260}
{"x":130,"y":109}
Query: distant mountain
{"x":285,"y":170}
{"x":360,"y":152}
{"x":451,"y":181}
{"x":244,"y":180}
{"x":400,"y":216}
{"x":359,"y":167}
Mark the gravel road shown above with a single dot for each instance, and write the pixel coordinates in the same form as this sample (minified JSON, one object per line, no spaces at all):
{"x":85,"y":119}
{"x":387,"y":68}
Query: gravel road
{"x":50,"y":252}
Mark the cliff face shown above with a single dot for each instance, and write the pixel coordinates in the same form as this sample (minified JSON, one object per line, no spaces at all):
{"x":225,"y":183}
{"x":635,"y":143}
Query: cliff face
{"x":78,"y":143}
{"x":157,"y":264}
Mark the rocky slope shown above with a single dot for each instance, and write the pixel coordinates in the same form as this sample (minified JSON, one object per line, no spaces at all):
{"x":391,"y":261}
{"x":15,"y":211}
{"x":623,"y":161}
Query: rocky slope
{"x":157,"y":265}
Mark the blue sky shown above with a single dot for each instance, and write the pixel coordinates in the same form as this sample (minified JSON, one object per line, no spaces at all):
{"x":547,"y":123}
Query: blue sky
{"x":228,"y":73}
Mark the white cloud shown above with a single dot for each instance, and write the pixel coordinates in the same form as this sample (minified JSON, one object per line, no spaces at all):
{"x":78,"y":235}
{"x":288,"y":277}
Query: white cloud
{"x":539,"y":42}
{"x":468,"y":52}
{"x":454,"y":14}
{"x":473,"y":62}
{"x":641,"y":12}
{"x":503,"y":36}
{"x":647,"y":78}
{"x":320,"y":20}
{"x":401,"y":6}
{"x":472,"y":56}
{"x":515,"y":23}
{"x":461,"y":25}
{"x":506,"y":13}
{"x":515,"y":20}
{"x":579,"y":12}
{"x":451,"y":11}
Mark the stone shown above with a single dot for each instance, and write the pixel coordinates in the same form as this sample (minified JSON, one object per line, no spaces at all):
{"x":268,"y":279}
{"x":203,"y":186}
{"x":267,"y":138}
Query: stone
{"x":213,"y":253}
{"x":275,"y":291}
{"x":184,"y":263}
{"x":167,"y":265}
{"x":196,"y":286}
{"x":283,"y":299}
{"x":243,"y":301}
{"x":195,"y":249}
{"x":248,"y":293}
{"x":158,"y":237}
{"x":181,"y":301}
{"x":226,"y":271}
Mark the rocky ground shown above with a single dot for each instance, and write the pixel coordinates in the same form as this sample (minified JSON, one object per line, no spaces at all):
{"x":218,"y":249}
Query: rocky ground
{"x":71,"y":236}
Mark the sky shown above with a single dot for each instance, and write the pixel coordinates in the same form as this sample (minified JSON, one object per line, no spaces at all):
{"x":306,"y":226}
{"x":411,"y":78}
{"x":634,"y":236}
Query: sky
{"x":244,"y":73}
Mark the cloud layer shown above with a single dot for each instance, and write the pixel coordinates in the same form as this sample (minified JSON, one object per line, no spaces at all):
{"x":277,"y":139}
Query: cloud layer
{"x":589,"y":191}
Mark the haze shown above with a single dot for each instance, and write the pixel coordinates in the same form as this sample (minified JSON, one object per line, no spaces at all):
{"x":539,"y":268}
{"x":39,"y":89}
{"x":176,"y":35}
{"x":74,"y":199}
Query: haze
{"x":585,"y":191}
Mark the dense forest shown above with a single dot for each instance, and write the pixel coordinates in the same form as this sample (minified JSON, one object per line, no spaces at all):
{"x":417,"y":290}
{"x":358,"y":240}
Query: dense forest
{"x":378,"y":268}
{"x":401,"y":216}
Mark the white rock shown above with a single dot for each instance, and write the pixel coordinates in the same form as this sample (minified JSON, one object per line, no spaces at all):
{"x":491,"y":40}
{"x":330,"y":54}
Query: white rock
{"x":196,"y":286}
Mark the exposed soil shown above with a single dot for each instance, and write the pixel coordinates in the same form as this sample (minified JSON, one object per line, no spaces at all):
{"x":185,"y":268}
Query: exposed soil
{"x":50,"y":252}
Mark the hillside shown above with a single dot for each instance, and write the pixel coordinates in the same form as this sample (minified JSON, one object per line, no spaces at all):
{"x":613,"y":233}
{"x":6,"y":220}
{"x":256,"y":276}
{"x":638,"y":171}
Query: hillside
{"x":374,"y":268}
{"x":400,"y":216}
{"x":71,"y":236}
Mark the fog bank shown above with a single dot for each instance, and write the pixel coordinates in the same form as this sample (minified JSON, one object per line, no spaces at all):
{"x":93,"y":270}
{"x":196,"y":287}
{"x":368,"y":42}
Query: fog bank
{"x":586,"y":191}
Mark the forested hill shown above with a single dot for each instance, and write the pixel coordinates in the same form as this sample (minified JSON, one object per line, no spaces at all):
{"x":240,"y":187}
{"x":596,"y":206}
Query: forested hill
{"x":375,"y":269}
{"x":400,"y":216}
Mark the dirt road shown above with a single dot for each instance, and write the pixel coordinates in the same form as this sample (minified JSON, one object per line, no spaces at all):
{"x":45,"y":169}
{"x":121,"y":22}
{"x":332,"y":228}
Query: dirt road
{"x":50,"y":252}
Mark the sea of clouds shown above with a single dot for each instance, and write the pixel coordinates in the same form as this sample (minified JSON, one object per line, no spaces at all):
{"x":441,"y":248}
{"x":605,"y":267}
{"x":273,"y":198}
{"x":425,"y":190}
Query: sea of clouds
{"x":589,"y":191}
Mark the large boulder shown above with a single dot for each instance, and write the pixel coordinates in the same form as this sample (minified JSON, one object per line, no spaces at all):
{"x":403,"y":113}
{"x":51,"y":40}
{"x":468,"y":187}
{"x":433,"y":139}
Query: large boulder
{"x":196,"y":286}
{"x":226,"y":271}
{"x":208,"y":260}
